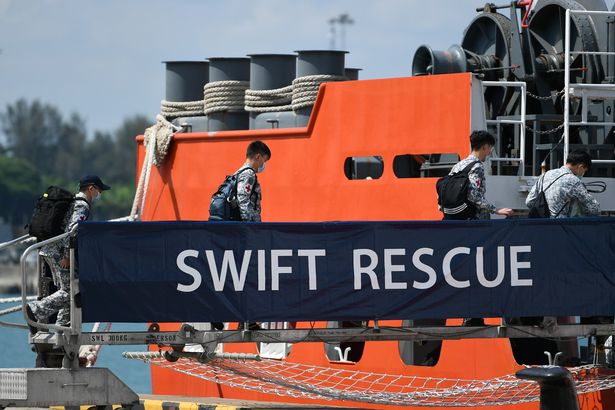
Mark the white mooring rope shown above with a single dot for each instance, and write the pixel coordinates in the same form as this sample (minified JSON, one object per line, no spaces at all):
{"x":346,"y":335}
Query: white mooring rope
{"x":224,"y":96}
{"x":173,"y":109}
{"x":157,"y":140}
{"x":305,"y":89}
{"x":278,"y":99}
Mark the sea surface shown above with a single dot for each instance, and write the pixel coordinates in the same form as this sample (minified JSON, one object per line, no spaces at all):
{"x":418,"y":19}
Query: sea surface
{"x":17,"y":352}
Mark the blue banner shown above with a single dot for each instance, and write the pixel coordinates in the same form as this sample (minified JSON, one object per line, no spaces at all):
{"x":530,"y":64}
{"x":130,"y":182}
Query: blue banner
{"x":248,"y":272}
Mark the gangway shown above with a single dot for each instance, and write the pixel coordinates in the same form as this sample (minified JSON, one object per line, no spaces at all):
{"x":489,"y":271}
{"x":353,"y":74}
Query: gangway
{"x":172,"y":343}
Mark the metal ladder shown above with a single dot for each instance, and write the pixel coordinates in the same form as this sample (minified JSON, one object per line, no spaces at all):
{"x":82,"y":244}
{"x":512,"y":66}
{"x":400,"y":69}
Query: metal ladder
{"x":520,"y":122}
{"x":583,"y":91}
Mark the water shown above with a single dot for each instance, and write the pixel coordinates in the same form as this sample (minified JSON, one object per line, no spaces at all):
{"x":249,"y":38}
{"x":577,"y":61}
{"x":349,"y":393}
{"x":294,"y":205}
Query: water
{"x":17,"y":352}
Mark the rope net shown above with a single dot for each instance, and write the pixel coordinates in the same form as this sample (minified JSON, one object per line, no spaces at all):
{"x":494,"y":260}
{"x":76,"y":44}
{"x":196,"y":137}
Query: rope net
{"x":285,"y":378}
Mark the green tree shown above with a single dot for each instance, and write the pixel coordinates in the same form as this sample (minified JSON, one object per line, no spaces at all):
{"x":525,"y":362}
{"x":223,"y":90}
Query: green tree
{"x":126,"y":148}
{"x":56,"y":151}
{"x":20,"y":186}
{"x":38,"y":133}
{"x":115,"y":203}
{"x":99,"y":156}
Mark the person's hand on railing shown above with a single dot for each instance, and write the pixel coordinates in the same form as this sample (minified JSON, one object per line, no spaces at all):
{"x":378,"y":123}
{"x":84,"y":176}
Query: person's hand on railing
{"x":65,"y":263}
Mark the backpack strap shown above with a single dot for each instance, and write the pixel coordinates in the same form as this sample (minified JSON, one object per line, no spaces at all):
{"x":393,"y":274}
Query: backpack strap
{"x":237,"y":177}
{"x":542,"y":180}
{"x":553,"y":182}
{"x":468,"y":168}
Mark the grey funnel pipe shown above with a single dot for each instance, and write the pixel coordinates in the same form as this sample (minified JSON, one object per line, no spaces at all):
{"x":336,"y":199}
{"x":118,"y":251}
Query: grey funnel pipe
{"x":225,"y":69}
{"x":352,"y":73}
{"x":314,"y":62}
{"x":268,"y":72}
{"x":185,"y":80}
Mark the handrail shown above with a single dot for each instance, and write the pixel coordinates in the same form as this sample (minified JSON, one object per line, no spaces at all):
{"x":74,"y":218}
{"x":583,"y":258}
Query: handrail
{"x":15,"y":241}
{"x":523,"y":86}
{"x":6,"y":245}
{"x":567,"y":55}
{"x":23,"y":258}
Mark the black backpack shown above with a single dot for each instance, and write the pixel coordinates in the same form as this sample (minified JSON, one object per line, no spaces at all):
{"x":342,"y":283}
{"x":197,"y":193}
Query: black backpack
{"x":223,"y":205}
{"x":541,"y":206}
{"x":452,"y":192}
{"x":50,"y":213}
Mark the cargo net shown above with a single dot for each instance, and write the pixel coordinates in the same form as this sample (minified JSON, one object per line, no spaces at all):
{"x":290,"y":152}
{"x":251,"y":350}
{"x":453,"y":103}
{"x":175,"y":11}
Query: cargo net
{"x":285,"y":378}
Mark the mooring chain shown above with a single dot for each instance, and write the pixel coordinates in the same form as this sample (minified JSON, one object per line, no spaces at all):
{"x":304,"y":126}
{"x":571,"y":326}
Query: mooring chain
{"x":545,"y":132}
{"x":548,"y":97}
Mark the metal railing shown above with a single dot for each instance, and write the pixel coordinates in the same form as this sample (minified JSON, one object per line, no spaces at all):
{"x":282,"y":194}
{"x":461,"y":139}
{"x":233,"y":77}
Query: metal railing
{"x":15,"y":241}
{"x":6,"y":245}
{"x":521,"y":121}
{"x":74,"y":325}
{"x":608,"y":89}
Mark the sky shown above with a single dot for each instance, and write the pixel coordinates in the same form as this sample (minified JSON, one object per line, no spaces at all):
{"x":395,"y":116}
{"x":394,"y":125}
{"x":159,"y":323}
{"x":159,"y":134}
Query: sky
{"x":103,"y":58}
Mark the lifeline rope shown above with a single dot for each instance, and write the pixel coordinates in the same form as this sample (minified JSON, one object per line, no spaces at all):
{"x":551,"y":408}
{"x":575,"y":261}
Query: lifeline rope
{"x":224,"y":96}
{"x":278,"y":99}
{"x":306,"y":88}
{"x":172,"y":109}
{"x":157,"y":140}
{"x":16,"y":299}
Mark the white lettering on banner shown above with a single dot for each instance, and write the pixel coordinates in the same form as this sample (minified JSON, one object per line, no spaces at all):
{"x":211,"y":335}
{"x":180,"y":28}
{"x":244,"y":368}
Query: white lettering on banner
{"x":446,"y":267}
{"x":311,"y":255}
{"x":515,"y":265}
{"x":368,"y":270}
{"x":276,"y":269}
{"x":366,"y":262}
{"x":389,"y":268}
{"x":262,"y":280}
{"x":431,"y":272}
{"x":456,"y":268}
{"x":196,"y":275}
{"x":228,"y":262}
{"x":480,"y":270}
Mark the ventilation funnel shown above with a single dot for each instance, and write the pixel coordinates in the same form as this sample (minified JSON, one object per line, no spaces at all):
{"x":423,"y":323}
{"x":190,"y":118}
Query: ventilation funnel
{"x":228,"y":69}
{"x":185,"y":80}
{"x":352,"y":73}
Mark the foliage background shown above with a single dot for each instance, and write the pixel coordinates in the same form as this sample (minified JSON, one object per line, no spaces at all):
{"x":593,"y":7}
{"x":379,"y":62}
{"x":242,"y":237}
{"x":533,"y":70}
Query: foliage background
{"x":40,"y":146}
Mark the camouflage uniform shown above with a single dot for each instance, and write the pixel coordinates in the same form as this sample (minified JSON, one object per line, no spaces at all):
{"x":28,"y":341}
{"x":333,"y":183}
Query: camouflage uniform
{"x":248,"y":195}
{"x":566,"y":197}
{"x":477,"y":188}
{"x":52,"y":254}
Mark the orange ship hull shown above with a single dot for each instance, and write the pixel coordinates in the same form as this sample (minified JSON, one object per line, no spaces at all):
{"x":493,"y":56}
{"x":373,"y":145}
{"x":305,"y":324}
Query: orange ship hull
{"x":305,"y":181}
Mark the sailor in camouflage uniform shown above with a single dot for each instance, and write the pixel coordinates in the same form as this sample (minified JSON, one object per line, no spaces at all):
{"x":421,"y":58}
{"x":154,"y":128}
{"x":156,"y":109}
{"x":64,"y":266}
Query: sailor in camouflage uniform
{"x":481,"y":143}
{"x":249,"y":195}
{"x":56,"y":255}
{"x":565,"y":193}
{"x":248,"y":188}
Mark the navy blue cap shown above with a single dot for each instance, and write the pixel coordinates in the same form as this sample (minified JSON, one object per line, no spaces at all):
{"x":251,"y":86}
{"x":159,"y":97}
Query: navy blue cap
{"x":93,"y":180}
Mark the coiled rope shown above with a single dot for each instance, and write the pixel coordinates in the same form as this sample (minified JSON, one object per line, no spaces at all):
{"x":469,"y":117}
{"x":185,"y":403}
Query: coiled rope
{"x":157,"y":140}
{"x":224,"y":96}
{"x":306,"y":88}
{"x":278,"y":99}
{"x":172,"y":109}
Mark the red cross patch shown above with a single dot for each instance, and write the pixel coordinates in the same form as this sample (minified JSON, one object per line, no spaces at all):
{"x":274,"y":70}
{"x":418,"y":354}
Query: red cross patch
{"x":248,"y":188}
